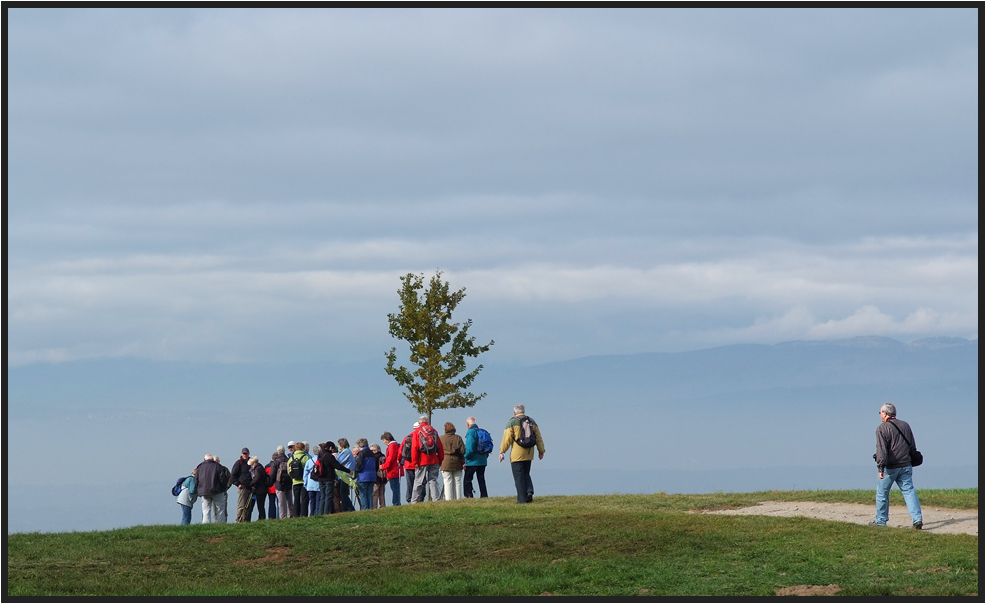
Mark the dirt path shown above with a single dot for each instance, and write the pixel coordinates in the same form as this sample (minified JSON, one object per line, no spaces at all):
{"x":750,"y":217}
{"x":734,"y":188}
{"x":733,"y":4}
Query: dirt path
{"x":936,"y":520}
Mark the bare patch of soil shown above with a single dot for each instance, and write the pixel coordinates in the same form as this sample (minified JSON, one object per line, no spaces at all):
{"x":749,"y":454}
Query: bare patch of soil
{"x":936,"y":520}
{"x":275,"y":554}
{"x":809,"y":590}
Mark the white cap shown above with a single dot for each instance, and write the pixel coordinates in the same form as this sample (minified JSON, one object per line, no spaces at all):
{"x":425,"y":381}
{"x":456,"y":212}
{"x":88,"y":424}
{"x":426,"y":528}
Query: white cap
{"x":416,"y":425}
{"x":290,"y":443}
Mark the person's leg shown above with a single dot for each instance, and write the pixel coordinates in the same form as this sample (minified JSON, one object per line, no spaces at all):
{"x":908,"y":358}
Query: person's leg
{"x":249,"y":510}
{"x":272,"y":505}
{"x":467,"y":482}
{"x":345,"y":499}
{"x":283,"y":504}
{"x":530,"y":484}
{"x":324,"y":488}
{"x":395,"y":490}
{"x":418,"y":494}
{"x":206,"y":509}
{"x":905,"y":481}
{"x":243,"y":498}
{"x":883,"y":498}
{"x":432,"y":474}
{"x":262,"y":506}
{"x":224,"y":507}
{"x":409,"y":479}
{"x":380,"y":493}
{"x":457,"y":484}
{"x":447,"y":482}
{"x":520,"y":481}
{"x":481,"y":479}
{"x":186,"y":514}
{"x":312,"y":503}
{"x":365,"y":495}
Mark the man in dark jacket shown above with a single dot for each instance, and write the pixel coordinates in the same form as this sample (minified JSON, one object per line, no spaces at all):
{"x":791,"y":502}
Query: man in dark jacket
{"x":327,"y":480}
{"x":207,"y":483}
{"x":242,"y":480}
{"x":894,"y":443}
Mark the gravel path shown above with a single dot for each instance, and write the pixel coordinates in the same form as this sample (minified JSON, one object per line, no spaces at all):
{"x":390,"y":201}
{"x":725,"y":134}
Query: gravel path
{"x":936,"y":520}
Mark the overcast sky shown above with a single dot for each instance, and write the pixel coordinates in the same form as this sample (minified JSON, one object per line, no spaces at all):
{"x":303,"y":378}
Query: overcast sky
{"x":248,"y":185}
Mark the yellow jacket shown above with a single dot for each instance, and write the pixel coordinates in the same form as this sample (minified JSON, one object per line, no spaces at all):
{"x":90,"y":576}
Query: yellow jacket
{"x":510,"y":436}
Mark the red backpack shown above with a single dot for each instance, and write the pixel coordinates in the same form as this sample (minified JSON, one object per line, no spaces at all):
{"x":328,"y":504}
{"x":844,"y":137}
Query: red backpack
{"x":429,"y":440}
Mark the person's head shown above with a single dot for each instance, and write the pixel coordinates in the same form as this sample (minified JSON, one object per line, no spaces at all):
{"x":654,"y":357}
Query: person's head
{"x":888,"y":411}
{"x":330,"y":446}
{"x":245,"y":453}
{"x":449,"y":428}
{"x":276,"y":454}
{"x":470,"y":422}
{"x":290,"y":446}
{"x":415,"y":426}
{"x":215,"y":458}
{"x":355,"y":450}
{"x":316,"y":450}
{"x":361,"y":443}
{"x":280,"y":450}
{"x":375,"y":448}
{"x":387,"y":437}
{"x":423,"y":420}
{"x":209,"y":457}
{"x":518,"y":410}
{"x":343,"y":443}
{"x":252,"y":461}
{"x":304,"y":445}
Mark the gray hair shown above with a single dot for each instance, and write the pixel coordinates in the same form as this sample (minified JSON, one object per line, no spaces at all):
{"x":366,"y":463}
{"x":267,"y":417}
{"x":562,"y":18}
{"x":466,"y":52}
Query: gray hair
{"x":316,"y":449}
{"x":470,"y":421}
{"x":361,"y":442}
{"x":423,"y":419}
{"x":889,"y":409}
{"x":518,"y":409}
{"x":374,"y":447}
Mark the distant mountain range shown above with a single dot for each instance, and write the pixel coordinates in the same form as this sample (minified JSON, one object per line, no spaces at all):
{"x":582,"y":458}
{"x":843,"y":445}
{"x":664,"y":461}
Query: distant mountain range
{"x":756,"y":416}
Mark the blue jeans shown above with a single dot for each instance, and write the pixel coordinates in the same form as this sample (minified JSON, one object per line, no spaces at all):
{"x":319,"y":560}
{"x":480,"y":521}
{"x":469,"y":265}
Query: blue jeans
{"x":366,"y":495}
{"x":313,"y":500}
{"x":902,"y":476}
{"x":395,"y":490}
{"x":186,"y":513}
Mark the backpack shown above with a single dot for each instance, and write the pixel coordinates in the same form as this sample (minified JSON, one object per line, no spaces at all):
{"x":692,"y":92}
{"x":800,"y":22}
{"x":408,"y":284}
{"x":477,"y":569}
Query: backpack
{"x":176,"y":490}
{"x":296,"y":467}
{"x":223,"y":475}
{"x":283,"y":478}
{"x":429,"y":440}
{"x":406,"y":448}
{"x":527,"y":437}
{"x":484,"y":442}
{"x":316,"y":471}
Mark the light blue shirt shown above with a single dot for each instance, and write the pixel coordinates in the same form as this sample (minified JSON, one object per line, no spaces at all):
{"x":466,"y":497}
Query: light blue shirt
{"x":346,"y":458}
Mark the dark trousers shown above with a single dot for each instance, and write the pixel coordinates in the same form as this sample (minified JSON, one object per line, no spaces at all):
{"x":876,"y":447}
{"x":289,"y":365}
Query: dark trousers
{"x":409,"y":478}
{"x":345,"y":502}
{"x":300,"y":503}
{"x":261,"y":513}
{"x":326,"y":504}
{"x":313,"y":502}
{"x":480,"y":472}
{"x":522,"y":480}
{"x":272,"y":506}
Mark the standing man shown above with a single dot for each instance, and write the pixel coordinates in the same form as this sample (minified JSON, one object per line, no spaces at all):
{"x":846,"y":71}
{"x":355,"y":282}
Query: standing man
{"x":242,"y":480}
{"x":894,"y":443}
{"x":426,"y":455}
{"x":296,"y":469}
{"x":476,"y":458}
{"x":226,"y":480}
{"x":523,"y":434}
{"x":208,"y":485}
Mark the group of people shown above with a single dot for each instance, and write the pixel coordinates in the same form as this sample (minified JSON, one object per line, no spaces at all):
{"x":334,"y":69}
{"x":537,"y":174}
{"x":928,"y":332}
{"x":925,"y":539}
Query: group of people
{"x":302,"y":480}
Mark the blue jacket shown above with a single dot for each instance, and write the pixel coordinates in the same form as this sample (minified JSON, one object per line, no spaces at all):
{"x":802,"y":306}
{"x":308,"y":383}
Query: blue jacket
{"x":310,"y":485}
{"x":473,"y":457}
{"x":366,"y":468}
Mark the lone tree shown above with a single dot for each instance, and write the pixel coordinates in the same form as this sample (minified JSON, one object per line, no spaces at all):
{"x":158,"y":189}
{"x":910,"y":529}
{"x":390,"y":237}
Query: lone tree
{"x":423,"y":322}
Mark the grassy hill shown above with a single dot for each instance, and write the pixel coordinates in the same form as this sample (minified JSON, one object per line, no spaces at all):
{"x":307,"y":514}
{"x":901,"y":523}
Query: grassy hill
{"x":617,"y":545}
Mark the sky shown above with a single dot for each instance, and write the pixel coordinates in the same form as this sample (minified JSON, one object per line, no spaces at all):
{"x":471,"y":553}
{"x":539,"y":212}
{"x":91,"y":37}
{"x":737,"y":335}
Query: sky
{"x":248,"y":185}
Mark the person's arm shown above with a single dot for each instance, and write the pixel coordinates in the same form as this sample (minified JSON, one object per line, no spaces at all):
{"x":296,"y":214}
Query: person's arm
{"x":540,"y":442}
{"x":508,"y":439}
{"x":881,"y":451}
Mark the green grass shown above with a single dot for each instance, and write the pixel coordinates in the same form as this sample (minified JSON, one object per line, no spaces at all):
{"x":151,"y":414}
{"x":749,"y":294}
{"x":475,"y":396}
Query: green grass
{"x":617,"y":545}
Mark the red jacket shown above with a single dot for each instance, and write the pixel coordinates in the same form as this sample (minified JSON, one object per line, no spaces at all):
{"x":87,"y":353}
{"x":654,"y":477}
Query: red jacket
{"x":393,"y":463}
{"x":425,"y":459}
